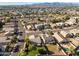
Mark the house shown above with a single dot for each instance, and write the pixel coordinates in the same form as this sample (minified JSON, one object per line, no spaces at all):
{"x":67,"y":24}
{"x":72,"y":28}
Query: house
{"x":4,"y":41}
{"x":42,"y":26}
{"x":74,"y":31}
{"x":64,"y":33}
{"x":36,"y":40}
{"x":72,"y":20}
{"x":39,"y":26}
{"x":52,"y":25}
{"x":8,"y":29}
{"x":56,"y":35}
{"x":28,"y":27}
{"x":60,"y":24}
{"x":48,"y":39}
{"x":65,"y":41}
{"x":67,"y":34}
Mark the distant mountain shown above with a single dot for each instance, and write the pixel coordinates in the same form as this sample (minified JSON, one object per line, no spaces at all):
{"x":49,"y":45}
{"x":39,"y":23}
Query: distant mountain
{"x":55,"y":4}
{"x":42,"y":4}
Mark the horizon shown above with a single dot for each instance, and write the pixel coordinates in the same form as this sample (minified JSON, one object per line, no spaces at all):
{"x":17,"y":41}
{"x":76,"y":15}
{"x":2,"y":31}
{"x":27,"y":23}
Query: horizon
{"x":28,"y":3}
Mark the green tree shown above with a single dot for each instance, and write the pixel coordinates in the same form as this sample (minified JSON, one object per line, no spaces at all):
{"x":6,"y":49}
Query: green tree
{"x":41,"y":51}
{"x":1,"y":25}
{"x":22,"y":53}
{"x":27,"y":44}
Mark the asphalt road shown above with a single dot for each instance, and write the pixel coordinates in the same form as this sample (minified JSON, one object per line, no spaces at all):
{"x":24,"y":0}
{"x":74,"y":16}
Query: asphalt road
{"x":21,"y":37}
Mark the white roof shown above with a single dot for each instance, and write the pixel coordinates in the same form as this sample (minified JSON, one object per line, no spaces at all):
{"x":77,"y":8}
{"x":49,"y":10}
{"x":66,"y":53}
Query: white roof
{"x":8,"y":29}
{"x":71,"y":21}
{"x":32,"y":37}
{"x":74,"y":31}
{"x":28,"y":26}
{"x":64,"y":33}
{"x":59,"y":23}
{"x":35,"y":39}
{"x":3,"y":40}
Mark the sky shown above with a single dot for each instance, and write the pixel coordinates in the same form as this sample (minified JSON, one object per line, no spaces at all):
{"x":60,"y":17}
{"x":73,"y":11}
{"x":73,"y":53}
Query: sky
{"x":21,"y":2}
{"x":13,"y":3}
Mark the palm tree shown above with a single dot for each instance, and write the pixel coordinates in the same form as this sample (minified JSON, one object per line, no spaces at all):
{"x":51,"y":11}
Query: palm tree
{"x":26,"y":44}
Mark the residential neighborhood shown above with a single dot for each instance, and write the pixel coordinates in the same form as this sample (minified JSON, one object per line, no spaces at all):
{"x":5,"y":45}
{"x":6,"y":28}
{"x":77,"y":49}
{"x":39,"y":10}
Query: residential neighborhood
{"x":39,"y":31}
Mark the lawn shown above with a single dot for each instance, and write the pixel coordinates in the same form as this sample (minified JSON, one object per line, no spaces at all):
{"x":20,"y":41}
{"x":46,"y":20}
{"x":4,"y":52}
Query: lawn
{"x":33,"y":50}
{"x":33,"y":53}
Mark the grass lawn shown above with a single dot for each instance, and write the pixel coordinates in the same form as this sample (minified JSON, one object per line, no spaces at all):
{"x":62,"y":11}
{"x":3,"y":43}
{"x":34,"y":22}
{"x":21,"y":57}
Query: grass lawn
{"x":33,"y":53}
{"x":33,"y":50}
